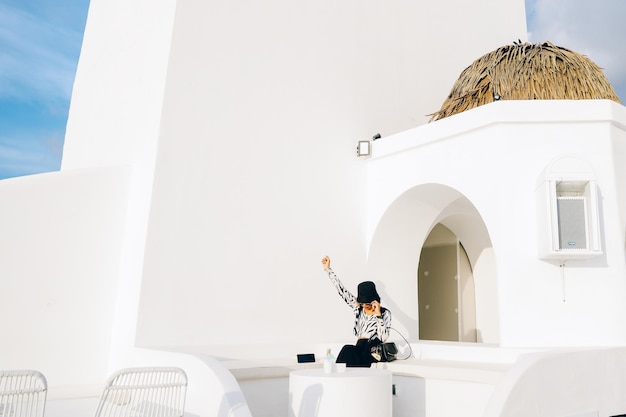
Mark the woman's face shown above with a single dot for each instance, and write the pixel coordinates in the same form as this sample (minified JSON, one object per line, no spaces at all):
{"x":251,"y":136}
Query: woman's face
{"x":368,"y":307}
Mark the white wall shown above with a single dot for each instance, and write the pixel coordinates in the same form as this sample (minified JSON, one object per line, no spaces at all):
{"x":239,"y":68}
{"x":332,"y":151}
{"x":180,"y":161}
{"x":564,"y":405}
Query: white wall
{"x":118,"y":89}
{"x":59,"y":262}
{"x":562,"y":383}
{"x":256,"y":175}
{"x":494,"y":156}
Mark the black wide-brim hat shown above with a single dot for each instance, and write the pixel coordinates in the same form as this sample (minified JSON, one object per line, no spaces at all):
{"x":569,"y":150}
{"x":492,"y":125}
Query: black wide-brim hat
{"x":367,"y":292}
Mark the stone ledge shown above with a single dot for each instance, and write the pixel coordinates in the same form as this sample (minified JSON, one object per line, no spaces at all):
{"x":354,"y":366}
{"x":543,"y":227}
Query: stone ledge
{"x":479,"y":372}
{"x":244,"y":370}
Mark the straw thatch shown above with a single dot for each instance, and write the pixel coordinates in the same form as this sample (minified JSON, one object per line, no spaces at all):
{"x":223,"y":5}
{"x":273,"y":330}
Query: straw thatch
{"x":525,"y":71}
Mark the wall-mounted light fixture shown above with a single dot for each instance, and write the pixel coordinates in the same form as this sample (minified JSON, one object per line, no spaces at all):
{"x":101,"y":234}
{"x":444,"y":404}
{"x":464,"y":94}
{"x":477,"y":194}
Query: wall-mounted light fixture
{"x":364,"y":147}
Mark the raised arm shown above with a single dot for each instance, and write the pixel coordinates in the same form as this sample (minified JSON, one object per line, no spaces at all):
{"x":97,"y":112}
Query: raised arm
{"x":346,"y":295}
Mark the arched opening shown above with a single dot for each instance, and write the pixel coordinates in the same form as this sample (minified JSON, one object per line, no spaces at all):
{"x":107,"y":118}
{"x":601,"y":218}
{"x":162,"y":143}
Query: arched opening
{"x":396,"y":248}
{"x":445,"y":287}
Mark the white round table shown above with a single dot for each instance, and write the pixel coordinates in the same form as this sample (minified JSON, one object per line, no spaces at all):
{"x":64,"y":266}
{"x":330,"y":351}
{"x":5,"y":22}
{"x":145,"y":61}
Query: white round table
{"x":361,"y":392}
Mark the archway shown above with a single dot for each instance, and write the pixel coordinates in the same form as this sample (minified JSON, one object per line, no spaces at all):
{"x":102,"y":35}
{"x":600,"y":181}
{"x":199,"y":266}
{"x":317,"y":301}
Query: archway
{"x":396,"y":246}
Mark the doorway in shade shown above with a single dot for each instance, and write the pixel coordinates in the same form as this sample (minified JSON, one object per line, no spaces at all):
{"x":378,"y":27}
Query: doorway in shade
{"x":445,"y":286}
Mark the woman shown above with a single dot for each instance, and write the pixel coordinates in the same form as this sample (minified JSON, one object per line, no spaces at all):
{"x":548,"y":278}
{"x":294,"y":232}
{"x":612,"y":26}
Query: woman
{"x":371,"y":321}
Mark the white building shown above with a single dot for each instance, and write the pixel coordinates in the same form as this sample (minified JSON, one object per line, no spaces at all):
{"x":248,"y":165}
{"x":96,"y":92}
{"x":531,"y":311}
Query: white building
{"x":210,"y":163}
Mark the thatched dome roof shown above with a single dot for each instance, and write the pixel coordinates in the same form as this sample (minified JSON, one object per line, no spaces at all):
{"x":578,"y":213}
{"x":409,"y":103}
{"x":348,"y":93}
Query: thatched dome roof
{"x":524,"y":71}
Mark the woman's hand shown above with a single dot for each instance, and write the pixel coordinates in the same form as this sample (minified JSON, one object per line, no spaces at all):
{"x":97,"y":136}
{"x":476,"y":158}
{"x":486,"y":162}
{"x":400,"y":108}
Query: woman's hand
{"x":372,"y":309}
{"x":326,"y":263}
{"x":376,"y":308}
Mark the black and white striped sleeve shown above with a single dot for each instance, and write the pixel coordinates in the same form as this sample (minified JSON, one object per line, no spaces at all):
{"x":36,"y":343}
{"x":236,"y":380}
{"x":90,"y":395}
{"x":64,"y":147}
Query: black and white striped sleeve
{"x":346,"y":295}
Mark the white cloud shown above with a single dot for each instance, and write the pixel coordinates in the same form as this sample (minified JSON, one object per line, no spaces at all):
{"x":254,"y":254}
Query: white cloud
{"x":593,"y":28}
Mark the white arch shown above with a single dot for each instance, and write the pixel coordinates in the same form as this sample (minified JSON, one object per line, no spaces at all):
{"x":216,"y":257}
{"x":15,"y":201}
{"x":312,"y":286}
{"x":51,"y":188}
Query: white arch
{"x":394,"y":250}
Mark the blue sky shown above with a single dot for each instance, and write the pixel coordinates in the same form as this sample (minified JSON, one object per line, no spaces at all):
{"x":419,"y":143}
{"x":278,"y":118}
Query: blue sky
{"x":40,"y":43}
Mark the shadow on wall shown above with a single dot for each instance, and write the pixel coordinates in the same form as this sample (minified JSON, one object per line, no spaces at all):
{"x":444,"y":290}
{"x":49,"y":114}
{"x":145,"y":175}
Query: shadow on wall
{"x":398,"y":315}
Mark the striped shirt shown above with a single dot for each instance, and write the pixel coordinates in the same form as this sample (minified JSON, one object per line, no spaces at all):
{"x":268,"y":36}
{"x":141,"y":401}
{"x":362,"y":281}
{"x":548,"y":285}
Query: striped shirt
{"x":365,"y":326}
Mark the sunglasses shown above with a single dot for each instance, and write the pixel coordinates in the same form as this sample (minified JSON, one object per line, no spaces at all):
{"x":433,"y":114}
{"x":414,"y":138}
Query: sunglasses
{"x":366,"y":305}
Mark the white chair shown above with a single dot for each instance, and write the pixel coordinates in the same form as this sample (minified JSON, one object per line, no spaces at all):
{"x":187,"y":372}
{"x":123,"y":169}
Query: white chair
{"x":22,"y":393}
{"x":144,"y":392}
